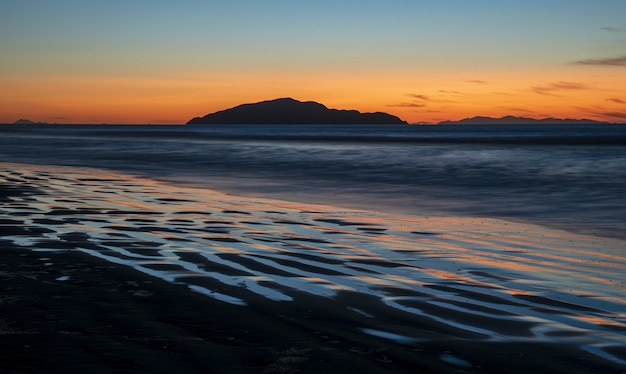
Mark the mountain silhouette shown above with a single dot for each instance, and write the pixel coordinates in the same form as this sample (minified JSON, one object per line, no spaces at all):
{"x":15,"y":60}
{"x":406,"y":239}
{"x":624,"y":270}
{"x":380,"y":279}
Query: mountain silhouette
{"x":290,"y":111}
{"x":512,"y":120}
{"x":22,"y":121}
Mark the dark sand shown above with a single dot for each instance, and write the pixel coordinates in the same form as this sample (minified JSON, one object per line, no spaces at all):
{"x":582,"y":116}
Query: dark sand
{"x":67,"y":312}
{"x":108,"y":318}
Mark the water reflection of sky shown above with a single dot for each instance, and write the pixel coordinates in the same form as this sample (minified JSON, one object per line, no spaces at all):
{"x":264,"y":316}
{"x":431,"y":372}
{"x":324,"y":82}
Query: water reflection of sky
{"x":563,"y":175}
{"x":469,"y":274}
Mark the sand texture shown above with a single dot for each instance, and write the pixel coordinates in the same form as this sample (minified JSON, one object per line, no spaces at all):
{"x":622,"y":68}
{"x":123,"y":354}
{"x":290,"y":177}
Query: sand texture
{"x":109,"y":272}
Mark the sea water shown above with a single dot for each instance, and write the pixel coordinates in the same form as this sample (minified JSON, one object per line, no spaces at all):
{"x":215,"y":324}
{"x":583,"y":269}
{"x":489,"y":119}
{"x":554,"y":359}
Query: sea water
{"x":571,"y":176}
{"x":408,"y":216}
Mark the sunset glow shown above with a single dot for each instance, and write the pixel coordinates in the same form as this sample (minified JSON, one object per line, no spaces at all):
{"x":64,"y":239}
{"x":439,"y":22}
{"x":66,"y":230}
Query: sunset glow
{"x":160,"y":62}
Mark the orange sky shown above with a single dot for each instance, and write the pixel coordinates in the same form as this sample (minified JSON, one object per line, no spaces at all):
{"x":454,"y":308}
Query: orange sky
{"x":566,"y":92}
{"x":128,"y":71}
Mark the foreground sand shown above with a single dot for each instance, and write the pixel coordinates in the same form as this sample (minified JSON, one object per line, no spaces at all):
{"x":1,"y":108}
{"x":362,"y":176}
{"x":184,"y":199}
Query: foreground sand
{"x":110,"y":273}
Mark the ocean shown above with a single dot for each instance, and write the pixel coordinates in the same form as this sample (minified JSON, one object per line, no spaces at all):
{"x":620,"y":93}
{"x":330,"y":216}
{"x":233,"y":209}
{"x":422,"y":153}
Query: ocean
{"x":409,"y":234}
{"x":571,"y":176}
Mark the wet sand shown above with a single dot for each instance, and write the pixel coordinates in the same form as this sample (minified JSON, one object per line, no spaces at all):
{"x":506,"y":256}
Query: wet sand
{"x":106,"y":272}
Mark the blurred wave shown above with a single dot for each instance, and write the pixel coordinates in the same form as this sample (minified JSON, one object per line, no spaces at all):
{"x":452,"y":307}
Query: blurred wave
{"x":566,"y":175}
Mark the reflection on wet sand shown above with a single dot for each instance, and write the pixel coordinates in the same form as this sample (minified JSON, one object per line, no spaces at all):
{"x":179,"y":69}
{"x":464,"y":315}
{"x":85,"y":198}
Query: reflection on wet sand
{"x":426,"y":277}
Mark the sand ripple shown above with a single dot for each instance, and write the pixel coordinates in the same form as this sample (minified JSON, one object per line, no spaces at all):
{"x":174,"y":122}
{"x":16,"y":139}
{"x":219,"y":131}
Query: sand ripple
{"x":420,"y":277}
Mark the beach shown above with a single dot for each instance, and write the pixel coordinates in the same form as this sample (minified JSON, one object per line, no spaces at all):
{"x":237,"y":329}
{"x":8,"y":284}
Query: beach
{"x":282,"y":187}
{"x":110,"y":271}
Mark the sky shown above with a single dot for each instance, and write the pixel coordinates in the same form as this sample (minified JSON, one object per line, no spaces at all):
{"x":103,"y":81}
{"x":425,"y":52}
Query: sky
{"x":167,"y":61}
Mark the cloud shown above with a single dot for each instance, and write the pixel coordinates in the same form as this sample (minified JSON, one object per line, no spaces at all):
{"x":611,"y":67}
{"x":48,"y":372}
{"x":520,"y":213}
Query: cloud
{"x":477,"y":81}
{"x":457,"y":93}
{"x":611,"y":61}
{"x":601,"y":112}
{"x":616,"y":100}
{"x":503,"y":93}
{"x":413,"y":104}
{"x":620,"y":115}
{"x":613,"y":29}
{"x":567,"y":86}
{"x":418,"y":96}
{"x":548,"y":89}
{"x":407,"y":105}
{"x":429,"y":99}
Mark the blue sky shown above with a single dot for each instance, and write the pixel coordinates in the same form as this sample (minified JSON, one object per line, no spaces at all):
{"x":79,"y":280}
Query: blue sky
{"x":328,"y":46}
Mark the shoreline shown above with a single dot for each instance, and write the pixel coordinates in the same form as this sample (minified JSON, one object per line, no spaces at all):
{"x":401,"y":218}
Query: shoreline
{"x":586,"y":229}
{"x":365,"y":201}
{"x":58,"y":299}
{"x":105,"y":318}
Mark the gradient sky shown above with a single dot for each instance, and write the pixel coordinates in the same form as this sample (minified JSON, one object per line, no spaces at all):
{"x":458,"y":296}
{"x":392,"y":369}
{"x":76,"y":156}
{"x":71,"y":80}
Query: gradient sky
{"x":166,"y":61}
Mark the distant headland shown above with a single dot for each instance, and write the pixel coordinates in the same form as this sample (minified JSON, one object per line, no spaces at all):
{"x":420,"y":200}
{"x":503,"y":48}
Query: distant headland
{"x":512,"y":120}
{"x":23,"y":121}
{"x":291,"y":111}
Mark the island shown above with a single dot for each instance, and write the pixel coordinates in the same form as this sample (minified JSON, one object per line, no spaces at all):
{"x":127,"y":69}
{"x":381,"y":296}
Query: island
{"x":288,"y":111}
{"x":22,"y":121}
{"x":513,"y":120}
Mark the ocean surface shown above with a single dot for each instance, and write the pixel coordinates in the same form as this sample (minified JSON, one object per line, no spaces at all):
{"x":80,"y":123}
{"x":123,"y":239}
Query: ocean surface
{"x":410,"y":234}
{"x":571,"y":176}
